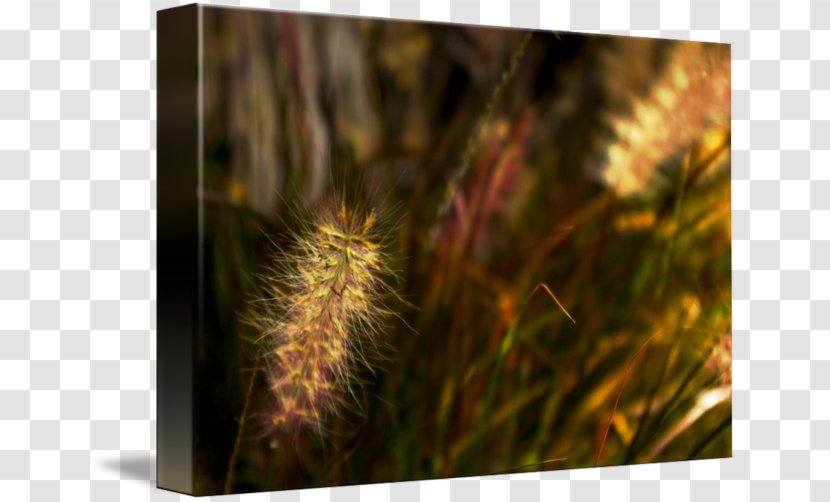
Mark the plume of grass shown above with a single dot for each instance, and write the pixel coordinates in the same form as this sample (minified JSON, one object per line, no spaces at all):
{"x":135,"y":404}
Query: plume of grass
{"x":690,"y":97}
{"x":720,"y":360}
{"x":321,"y":317}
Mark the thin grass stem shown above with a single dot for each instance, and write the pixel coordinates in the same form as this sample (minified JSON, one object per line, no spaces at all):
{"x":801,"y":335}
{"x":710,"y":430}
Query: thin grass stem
{"x":229,"y":475}
{"x":619,"y":394}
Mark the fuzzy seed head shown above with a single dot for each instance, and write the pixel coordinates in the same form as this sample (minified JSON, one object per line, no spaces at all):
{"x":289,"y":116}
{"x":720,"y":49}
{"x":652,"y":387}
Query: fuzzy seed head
{"x":691,"y":97}
{"x":720,"y":360}
{"x":322,"y":317}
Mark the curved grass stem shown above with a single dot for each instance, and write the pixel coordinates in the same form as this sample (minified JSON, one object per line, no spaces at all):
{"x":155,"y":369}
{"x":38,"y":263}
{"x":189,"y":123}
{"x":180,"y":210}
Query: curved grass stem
{"x":229,"y":475}
{"x":619,"y":394}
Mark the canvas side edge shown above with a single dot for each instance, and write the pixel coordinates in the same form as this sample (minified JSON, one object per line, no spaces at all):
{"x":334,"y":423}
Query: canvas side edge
{"x":178,"y":243}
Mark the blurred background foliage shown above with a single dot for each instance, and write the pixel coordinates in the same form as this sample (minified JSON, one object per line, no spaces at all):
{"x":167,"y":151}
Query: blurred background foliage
{"x":596,"y":166}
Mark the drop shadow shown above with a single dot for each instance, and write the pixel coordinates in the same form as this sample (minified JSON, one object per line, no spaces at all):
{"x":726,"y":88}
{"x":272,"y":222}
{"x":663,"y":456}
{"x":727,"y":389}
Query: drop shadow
{"x":132,"y":465}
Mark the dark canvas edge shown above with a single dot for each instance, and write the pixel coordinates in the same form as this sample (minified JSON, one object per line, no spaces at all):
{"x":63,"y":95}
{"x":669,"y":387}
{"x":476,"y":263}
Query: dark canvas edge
{"x":178,"y":242}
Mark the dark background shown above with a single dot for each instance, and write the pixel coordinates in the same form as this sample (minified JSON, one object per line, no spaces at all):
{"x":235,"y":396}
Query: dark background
{"x":494,"y":378}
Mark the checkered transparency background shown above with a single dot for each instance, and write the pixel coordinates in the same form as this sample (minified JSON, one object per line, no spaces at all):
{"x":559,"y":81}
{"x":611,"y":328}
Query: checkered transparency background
{"x":77,"y":250}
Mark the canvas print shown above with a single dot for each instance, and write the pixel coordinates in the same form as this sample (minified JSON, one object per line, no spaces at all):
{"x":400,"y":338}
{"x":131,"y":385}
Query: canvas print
{"x":394,"y":250}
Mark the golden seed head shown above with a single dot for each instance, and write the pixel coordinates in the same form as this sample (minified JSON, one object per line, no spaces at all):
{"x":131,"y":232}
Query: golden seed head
{"x":323,"y":323}
{"x":690,"y":98}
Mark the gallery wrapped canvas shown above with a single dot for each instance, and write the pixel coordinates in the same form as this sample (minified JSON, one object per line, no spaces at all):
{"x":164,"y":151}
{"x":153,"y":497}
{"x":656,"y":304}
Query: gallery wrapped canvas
{"x":395,"y":251}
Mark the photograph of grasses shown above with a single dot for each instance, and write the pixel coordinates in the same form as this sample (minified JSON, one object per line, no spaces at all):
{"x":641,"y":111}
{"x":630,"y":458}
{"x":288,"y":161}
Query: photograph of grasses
{"x":437,"y":250}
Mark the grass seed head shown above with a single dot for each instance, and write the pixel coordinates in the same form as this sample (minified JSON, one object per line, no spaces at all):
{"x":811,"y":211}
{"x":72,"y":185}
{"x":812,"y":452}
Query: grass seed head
{"x":691,"y":97}
{"x":322,"y":316}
